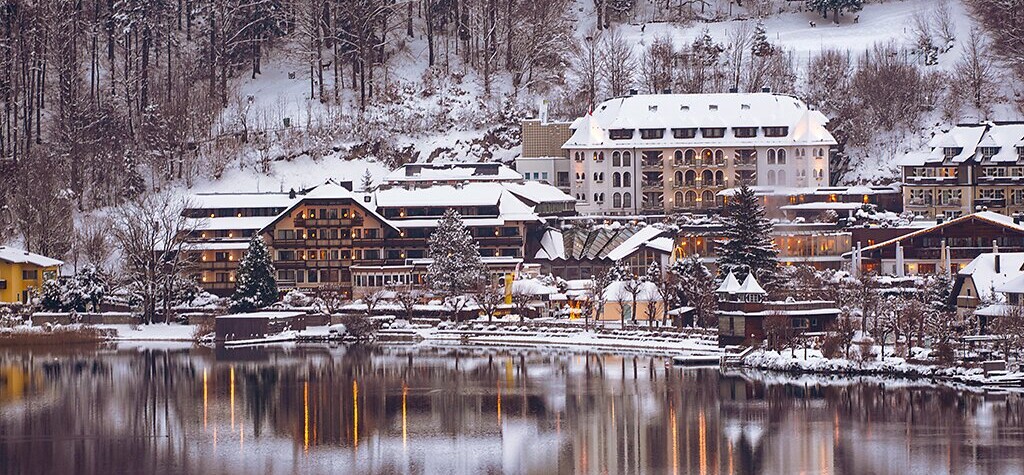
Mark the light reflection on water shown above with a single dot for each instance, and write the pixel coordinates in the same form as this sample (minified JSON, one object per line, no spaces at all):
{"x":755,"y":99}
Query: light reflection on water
{"x":317,"y":409}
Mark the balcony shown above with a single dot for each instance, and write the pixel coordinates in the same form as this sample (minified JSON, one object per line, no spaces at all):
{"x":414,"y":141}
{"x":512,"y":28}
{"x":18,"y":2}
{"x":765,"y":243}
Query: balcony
{"x":651,"y":164}
{"x":328,"y":223}
{"x":218,"y":265}
{"x":745,"y":163}
{"x":652,"y":184}
{"x":991,"y":202}
{"x":931,"y":179}
{"x":919,"y":202}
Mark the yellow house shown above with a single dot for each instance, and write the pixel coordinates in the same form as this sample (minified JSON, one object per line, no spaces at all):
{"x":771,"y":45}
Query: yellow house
{"x":21,"y":271}
{"x":619,"y":301}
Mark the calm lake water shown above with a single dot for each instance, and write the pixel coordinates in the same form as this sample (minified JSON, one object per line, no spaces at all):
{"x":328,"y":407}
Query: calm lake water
{"x":321,"y":409}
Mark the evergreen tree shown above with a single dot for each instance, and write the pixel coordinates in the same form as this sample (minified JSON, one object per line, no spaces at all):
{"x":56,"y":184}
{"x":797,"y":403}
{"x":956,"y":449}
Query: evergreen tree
{"x":456,"y":268}
{"x":255,"y":286}
{"x":746,"y":244}
{"x":761,"y":47}
{"x":367,"y":180}
{"x":834,"y":6}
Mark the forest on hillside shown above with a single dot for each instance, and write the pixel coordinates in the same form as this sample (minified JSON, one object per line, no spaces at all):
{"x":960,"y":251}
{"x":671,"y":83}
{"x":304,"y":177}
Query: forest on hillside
{"x":105,"y":101}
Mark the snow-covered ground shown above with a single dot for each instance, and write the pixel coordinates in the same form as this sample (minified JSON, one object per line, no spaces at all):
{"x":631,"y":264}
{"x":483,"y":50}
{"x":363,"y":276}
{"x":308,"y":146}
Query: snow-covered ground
{"x":154,"y":332}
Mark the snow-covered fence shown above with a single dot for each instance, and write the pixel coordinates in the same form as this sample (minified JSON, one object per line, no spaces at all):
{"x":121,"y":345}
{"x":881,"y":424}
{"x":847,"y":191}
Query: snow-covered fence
{"x":102,"y":318}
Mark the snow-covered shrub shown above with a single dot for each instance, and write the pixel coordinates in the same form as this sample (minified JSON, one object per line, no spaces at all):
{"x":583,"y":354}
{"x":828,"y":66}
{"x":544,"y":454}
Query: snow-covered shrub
{"x":296,"y":298}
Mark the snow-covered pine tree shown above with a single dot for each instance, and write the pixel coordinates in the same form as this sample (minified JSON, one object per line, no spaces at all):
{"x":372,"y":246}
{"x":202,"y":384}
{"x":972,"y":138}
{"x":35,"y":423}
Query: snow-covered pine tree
{"x":746,"y":243}
{"x":760,"y":47}
{"x":366,"y":184}
{"x":456,"y":268}
{"x":255,"y":286}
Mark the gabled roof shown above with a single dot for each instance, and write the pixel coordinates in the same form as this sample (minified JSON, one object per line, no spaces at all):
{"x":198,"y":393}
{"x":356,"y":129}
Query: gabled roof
{"x":19,"y":256}
{"x":729,"y":285}
{"x":1005,"y":136}
{"x":982,"y":271}
{"x":989,"y":217}
{"x":750,"y":286}
{"x":331,"y":190}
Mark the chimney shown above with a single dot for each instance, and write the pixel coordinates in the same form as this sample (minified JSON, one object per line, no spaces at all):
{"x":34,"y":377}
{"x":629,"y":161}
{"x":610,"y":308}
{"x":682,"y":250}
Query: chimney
{"x":766,"y":89}
{"x":291,"y":194}
{"x":940,"y":219}
{"x":544,"y":112}
{"x":995,"y":255}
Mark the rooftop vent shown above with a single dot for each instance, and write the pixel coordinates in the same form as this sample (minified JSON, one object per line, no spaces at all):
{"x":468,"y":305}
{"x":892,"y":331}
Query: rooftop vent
{"x":745,"y":106}
{"x":632,"y":92}
{"x":734,"y":90}
{"x":712,"y":107}
{"x":652,"y":108}
{"x":766,"y":89}
{"x":684,"y":107}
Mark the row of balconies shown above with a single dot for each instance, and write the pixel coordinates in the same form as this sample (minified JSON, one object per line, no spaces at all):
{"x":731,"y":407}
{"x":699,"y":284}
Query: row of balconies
{"x":327,"y":223}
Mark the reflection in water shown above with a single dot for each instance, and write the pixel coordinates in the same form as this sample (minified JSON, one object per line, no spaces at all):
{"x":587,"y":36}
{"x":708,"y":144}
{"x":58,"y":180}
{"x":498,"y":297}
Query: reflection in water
{"x":413,"y":410}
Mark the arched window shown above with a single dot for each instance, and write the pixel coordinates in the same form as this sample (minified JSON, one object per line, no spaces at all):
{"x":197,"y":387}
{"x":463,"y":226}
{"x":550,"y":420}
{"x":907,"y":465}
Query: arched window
{"x":707,"y":155}
{"x":771,"y":156}
{"x":821,"y":152}
{"x":678,"y":178}
{"x":691,"y":198}
{"x":627,"y":179}
{"x":707,"y":199}
{"x":600,"y":156}
{"x":595,"y":156}
{"x":678,"y":200}
{"x":577,"y":156}
{"x":707,"y":178}
{"x":782,"y":156}
{"x":595,"y":197}
{"x":782,"y":178}
{"x":691,"y":178}
{"x":719,"y":157}
{"x":627,"y":159}
{"x":719,"y":178}
{"x":678,"y":157}
{"x":691,"y":156}
{"x":627,"y":200}
{"x":616,"y":159}
{"x":771,"y":177}
{"x":616,"y":179}
{"x":596,"y":177}
{"x":616,"y":200}
{"x":602,"y":197}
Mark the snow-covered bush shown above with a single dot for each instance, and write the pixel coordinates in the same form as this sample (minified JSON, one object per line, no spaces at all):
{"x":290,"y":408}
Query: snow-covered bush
{"x":296,"y":298}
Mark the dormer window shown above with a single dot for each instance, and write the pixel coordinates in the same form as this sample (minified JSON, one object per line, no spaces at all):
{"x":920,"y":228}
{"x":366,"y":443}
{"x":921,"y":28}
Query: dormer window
{"x":776,"y":131}
{"x":988,"y":152}
{"x":712,"y":107}
{"x":1020,"y":153}
{"x":620,"y":134}
{"x":684,"y":133}
{"x":650,"y":134}
{"x":950,"y":152}
{"x":712,"y":132}
{"x":744,"y":132}
{"x":652,"y":108}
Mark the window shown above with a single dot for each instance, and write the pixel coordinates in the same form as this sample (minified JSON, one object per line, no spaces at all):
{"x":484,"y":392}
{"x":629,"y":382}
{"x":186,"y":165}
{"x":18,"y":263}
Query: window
{"x":782,"y":178}
{"x":650,"y":134}
{"x":578,"y":156}
{"x":988,"y":152}
{"x":626,"y":159}
{"x":993,"y":172}
{"x":286,"y":255}
{"x":677,"y":157}
{"x":599,"y":156}
{"x":30,"y":274}
{"x":286,"y":275}
{"x":678,"y":198}
{"x":617,"y":200}
{"x":620,"y":134}
{"x":627,"y":200}
{"x":771,"y":156}
{"x":782,"y":156}
{"x":286,"y":234}
{"x":616,"y":179}
{"x":627,"y":179}
{"x":707,"y":178}
{"x":1020,"y":153}
{"x":776,"y":131}
{"x":691,"y":178}
{"x":949,"y":197}
{"x":1017,"y":196}
{"x":616,"y":159}
{"x":712,"y":132}
{"x":771,"y":177}
{"x":598,"y":177}
{"x":691,"y":157}
{"x":684,"y":133}
{"x":744,"y":132}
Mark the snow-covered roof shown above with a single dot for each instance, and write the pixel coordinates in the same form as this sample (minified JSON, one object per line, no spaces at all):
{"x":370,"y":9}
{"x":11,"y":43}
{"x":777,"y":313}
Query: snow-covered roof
{"x":750,"y":286}
{"x":537,"y":192}
{"x":1005,"y":136}
{"x":240,"y":200}
{"x":616,"y":292}
{"x":990,"y":217}
{"x":19,"y":256}
{"x":551,"y":245}
{"x":663,"y":244}
{"x":533,"y":287}
{"x":270,"y":315}
{"x":231,"y":223}
{"x":729,"y":285}
{"x":822,"y":206}
{"x":982,"y":271}
{"x":470,"y":194}
{"x":643,"y":236}
{"x":452,"y":172}
{"x":667,"y":111}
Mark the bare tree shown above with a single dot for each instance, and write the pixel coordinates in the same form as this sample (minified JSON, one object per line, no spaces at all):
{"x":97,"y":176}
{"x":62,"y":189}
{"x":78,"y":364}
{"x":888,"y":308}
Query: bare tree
{"x":330,"y":298}
{"x":151,"y":235}
{"x":617,"y":63}
{"x":490,"y":298}
{"x":975,"y":77}
{"x":521,"y":303}
{"x":656,"y":64}
{"x":632,"y":286}
{"x":408,"y":298}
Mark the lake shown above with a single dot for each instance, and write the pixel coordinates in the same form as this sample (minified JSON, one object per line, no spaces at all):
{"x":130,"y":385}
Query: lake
{"x":406,"y":409}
